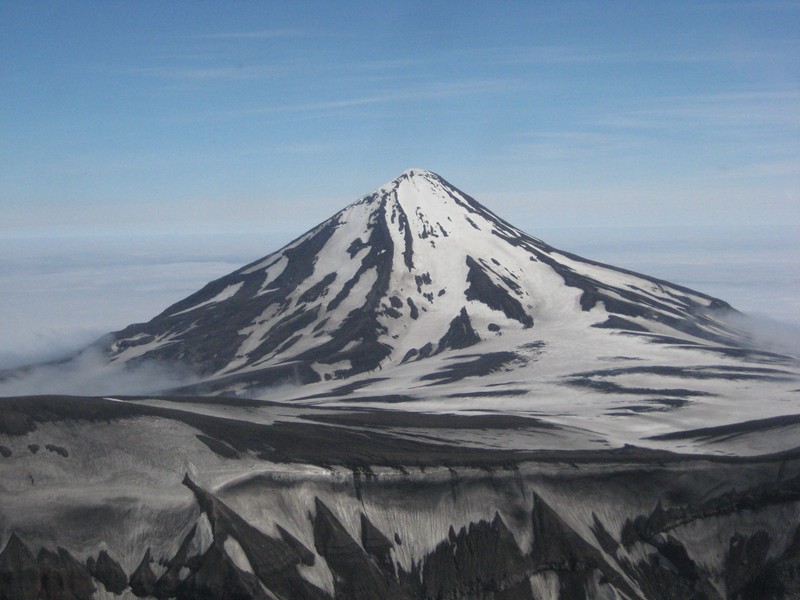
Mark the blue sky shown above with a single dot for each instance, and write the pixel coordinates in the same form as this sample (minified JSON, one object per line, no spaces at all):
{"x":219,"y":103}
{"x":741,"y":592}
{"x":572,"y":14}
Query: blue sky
{"x":123,"y":117}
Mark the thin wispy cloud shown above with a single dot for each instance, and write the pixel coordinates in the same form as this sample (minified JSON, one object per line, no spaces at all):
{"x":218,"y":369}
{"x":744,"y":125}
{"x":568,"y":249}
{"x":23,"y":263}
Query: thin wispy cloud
{"x":579,"y":138}
{"x":225,"y":65}
{"x":762,"y":5}
{"x":735,"y":110}
{"x":601,"y":55}
{"x":765,"y":169}
{"x":392,"y":64}
{"x":213,"y":73}
{"x":197,"y":59}
{"x":268,"y":34}
{"x":430,"y":91}
{"x":574,"y":144}
{"x":544,"y":55}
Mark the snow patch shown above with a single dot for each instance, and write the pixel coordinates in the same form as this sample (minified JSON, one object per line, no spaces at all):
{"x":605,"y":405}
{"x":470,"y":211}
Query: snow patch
{"x":236,"y":553}
{"x":228,"y":292}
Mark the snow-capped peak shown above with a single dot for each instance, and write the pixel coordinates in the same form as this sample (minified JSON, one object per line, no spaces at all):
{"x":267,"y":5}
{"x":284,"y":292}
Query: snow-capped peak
{"x":415,"y":270}
{"x":410,"y":173}
{"x":413,"y":187}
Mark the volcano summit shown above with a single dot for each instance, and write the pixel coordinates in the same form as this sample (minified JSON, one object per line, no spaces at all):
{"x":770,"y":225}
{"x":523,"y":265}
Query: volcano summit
{"x":410,"y":271}
{"x":416,"y":399}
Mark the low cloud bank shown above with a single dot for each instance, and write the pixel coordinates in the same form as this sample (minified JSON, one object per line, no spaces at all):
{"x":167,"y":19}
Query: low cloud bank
{"x":765,"y":333}
{"x":89,"y":373}
{"x":44,"y":346}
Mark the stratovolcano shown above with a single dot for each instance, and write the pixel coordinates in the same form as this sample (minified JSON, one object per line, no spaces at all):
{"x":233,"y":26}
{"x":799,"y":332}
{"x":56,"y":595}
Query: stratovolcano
{"x":414,"y":270}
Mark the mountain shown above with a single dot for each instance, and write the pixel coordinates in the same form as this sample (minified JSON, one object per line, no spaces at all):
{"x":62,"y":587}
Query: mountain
{"x":418,"y":296}
{"x":416,"y":400}
{"x":415,"y":269}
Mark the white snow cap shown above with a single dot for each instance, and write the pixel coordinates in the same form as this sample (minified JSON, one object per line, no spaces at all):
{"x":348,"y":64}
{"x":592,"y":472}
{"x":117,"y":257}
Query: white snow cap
{"x":416,"y":172}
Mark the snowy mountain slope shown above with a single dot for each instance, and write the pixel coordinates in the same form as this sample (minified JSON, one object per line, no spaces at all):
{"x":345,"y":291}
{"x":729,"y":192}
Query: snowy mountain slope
{"x":415,"y":269}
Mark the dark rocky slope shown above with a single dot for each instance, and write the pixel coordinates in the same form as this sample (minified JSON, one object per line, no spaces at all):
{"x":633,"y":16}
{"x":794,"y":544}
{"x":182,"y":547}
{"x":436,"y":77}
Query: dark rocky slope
{"x":311,"y":509}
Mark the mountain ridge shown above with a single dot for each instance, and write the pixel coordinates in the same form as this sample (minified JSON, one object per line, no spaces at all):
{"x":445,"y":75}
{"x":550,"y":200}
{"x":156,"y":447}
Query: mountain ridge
{"x":414,"y":248}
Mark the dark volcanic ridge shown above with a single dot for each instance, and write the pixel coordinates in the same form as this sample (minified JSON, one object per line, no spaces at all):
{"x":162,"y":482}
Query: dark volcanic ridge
{"x":435,"y":521}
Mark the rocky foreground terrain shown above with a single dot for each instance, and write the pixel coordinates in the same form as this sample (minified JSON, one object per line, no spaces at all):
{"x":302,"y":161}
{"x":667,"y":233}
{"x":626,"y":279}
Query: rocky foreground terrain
{"x":174,"y":498}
